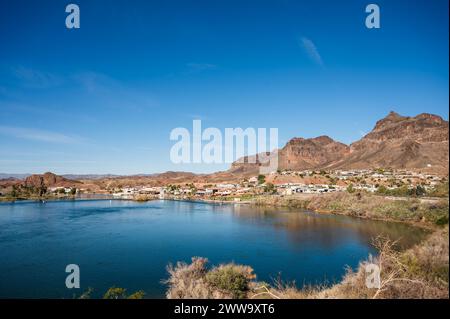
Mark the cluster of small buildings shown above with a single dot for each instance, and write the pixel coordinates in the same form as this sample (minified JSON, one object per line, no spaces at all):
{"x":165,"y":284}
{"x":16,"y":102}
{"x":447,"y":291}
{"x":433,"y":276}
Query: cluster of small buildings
{"x":338,"y":181}
{"x":292,"y":188}
{"x":131,"y":192}
{"x":368,"y":179}
{"x":60,"y":189}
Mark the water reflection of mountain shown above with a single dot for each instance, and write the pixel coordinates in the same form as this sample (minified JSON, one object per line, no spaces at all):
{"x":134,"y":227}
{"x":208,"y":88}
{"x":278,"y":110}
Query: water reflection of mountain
{"x":327,"y":230}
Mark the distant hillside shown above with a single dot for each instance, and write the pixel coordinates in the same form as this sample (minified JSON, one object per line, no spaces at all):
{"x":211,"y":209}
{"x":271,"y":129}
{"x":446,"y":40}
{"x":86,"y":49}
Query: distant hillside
{"x":89,"y":176}
{"x":16,"y":176}
{"x":401,"y":142}
{"x":49,"y":180}
{"x":419,"y":142}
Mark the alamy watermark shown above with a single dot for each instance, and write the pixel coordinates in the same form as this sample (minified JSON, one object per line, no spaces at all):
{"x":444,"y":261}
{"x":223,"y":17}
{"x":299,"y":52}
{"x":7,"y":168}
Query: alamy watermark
{"x":373,"y":19}
{"x":253,"y":146}
{"x":373,"y":279}
{"x":73,"y":19}
{"x":73,"y":279}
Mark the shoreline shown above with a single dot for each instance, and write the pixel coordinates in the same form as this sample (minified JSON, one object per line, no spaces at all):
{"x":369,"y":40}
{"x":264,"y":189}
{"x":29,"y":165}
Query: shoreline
{"x":290,"y":202}
{"x":349,"y":205}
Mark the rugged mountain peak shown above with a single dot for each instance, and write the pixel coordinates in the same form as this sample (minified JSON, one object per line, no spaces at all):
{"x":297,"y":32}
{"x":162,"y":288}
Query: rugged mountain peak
{"x":47,"y":179}
{"x":323,"y":140}
{"x":390,"y":119}
{"x":397,"y":141}
{"x":431,"y":118}
{"x":419,"y":142}
{"x":319,"y":140}
{"x":301,"y":153}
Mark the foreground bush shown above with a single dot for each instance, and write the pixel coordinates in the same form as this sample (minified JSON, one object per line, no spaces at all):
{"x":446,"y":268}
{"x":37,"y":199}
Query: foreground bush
{"x":121,"y":293}
{"x":114,"y":293}
{"x":231,"y":278}
{"x":420,"y":272}
{"x":187,"y":281}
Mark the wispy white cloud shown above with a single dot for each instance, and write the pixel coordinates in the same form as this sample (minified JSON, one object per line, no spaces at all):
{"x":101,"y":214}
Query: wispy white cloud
{"x":311,"y":50}
{"x":113,"y":93}
{"x":13,"y":161}
{"x":38,"y":135}
{"x":200,"y":67}
{"x":33,"y":78}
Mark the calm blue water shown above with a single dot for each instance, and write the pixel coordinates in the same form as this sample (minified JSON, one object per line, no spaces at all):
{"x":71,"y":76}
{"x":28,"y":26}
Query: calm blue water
{"x":129,"y":244}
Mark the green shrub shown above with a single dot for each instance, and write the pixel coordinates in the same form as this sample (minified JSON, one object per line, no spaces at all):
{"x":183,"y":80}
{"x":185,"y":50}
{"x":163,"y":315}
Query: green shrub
{"x":440,"y":190}
{"x":350,"y":189}
{"x":121,"y":293}
{"x":137,"y":295}
{"x":115,"y":293}
{"x":231,"y":278}
{"x":441,"y":220}
{"x":261,"y":179}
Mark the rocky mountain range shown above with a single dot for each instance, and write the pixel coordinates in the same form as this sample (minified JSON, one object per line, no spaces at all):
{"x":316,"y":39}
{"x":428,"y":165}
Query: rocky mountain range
{"x":400,"y":142}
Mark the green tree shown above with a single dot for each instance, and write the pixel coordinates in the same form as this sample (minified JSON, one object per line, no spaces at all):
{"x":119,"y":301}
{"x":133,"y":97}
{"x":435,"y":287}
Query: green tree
{"x":261,"y":179}
{"x":14,"y":192}
{"x":42,"y":190}
{"x":420,"y":190}
{"x":269,"y":188}
{"x":350,"y":188}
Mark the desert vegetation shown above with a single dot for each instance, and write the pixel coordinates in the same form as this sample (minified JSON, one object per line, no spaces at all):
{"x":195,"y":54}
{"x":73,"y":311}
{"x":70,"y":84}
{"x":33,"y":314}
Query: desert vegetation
{"x":366,"y":205}
{"x":114,"y":293}
{"x":195,"y":280}
{"x":419,"y":272}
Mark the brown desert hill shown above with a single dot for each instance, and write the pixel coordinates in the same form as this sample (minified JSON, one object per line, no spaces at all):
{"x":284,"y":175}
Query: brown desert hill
{"x":160,"y":179}
{"x":312,"y":153}
{"x":49,"y":180}
{"x":399,"y":142}
{"x":402,"y":142}
{"x":298,"y":154}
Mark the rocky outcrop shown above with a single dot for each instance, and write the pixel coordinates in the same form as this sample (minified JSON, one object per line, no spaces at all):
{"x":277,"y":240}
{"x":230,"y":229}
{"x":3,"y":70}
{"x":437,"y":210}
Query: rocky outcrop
{"x":318,"y":152}
{"x":401,"y":142}
{"x":48,"y":180}
{"x":419,"y":142}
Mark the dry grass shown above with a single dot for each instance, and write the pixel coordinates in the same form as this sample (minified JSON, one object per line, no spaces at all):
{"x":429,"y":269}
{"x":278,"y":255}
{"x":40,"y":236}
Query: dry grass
{"x":418,"y":273}
{"x":365,"y":205}
{"x":195,"y":281}
{"x":144,"y":197}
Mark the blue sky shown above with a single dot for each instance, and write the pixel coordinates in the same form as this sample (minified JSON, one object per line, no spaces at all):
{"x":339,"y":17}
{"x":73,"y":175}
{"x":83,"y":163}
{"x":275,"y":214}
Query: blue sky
{"x":104,"y":98}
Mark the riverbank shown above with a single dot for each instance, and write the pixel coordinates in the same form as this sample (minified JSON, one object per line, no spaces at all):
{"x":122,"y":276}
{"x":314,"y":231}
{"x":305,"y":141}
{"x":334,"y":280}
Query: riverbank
{"x":420,"y":212}
{"x":36,"y":198}
{"x":414,"y":211}
{"x":419,"y":272}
